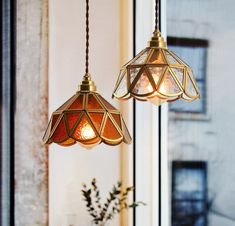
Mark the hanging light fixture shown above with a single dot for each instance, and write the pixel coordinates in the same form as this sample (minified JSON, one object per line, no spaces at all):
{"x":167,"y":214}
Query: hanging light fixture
{"x":156,"y":74}
{"x":86,"y":118}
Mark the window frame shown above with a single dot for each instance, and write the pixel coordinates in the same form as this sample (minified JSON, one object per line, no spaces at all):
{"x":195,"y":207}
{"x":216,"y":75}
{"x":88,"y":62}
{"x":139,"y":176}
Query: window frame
{"x":190,"y":165}
{"x":8,"y":71}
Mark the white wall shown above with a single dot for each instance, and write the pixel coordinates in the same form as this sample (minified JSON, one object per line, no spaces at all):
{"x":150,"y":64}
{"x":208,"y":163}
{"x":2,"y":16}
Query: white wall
{"x":70,"y":167}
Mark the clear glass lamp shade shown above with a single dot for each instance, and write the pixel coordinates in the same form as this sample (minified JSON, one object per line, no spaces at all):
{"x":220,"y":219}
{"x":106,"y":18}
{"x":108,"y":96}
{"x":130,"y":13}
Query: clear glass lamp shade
{"x":156,"y":75}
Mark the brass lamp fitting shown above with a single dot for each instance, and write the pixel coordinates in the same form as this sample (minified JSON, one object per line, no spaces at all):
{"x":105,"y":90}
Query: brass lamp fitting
{"x":87,"y":84}
{"x":157,"y":40}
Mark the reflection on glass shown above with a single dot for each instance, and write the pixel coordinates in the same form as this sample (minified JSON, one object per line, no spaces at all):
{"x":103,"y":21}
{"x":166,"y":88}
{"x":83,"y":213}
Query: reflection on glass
{"x":189,"y":193}
{"x":195,"y":52}
{"x":202,"y":133}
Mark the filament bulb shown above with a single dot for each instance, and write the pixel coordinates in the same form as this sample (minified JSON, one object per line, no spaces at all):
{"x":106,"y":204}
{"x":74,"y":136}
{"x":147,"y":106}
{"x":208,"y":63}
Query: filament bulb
{"x":87,"y":132}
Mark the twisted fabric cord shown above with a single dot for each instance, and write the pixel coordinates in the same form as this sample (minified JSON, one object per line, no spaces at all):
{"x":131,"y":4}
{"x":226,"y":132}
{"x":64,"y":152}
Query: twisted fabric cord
{"x":87,"y":36}
{"x":157,"y":15}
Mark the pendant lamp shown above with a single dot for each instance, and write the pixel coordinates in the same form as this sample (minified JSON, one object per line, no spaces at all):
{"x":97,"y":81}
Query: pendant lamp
{"x":156,"y":74}
{"x":86,"y":118}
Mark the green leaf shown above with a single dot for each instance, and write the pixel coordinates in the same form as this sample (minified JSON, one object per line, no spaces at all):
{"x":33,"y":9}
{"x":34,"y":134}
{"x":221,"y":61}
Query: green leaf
{"x":115,"y":202}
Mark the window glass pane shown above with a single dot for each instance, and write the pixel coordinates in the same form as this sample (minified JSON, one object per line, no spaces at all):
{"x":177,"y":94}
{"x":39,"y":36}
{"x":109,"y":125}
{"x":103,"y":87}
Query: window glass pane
{"x":194,"y":53}
{"x":202,"y":33}
{"x":193,"y":56}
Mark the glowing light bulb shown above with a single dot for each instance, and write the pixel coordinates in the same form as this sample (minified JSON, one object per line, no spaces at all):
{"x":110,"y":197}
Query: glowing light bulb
{"x":144,"y":86}
{"x":86,"y":135}
{"x":149,"y":87}
{"x":156,"y":73}
{"x":164,"y":89}
{"x":155,"y":99}
{"x":87,"y":132}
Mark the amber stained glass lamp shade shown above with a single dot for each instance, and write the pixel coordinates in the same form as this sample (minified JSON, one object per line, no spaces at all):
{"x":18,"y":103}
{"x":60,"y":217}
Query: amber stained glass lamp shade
{"x":86,"y":118}
{"x":156,"y":74}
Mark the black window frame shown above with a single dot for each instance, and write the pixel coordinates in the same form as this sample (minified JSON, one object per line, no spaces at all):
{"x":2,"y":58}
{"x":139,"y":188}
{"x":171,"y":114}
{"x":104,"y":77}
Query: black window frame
{"x":195,"y":43}
{"x":7,"y":97}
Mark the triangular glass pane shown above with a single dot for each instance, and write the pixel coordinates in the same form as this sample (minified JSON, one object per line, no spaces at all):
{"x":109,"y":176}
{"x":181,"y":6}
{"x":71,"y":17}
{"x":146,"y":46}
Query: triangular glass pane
{"x":93,"y":103}
{"x":142,"y":58}
{"x":60,"y":133}
{"x":156,"y":72}
{"x":143,"y":85}
{"x":117,"y":119}
{"x":96,"y":119}
{"x":179,"y":72}
{"x":190,"y":72}
{"x":190,"y":88}
{"x":77,"y":103}
{"x":157,"y":58}
{"x":120,"y":76}
{"x":133,"y":59}
{"x":110,"y":131}
{"x":126,"y":134}
{"x":192,"y":77}
{"x":121,"y":89}
{"x":179,"y":59}
{"x":72,"y":118}
{"x":48,"y":131}
{"x":185,"y":97}
{"x":84,"y":130}
{"x":156,"y":100}
{"x":133,"y":73}
{"x":68,"y":142}
{"x":54,"y":120}
{"x":67,"y":103}
{"x":106,"y":103}
{"x":171,"y":59}
{"x":168,"y":85}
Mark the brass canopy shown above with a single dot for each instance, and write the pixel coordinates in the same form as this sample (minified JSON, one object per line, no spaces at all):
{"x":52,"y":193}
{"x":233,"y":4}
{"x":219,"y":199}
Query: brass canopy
{"x":157,"y":40}
{"x":87,"y":84}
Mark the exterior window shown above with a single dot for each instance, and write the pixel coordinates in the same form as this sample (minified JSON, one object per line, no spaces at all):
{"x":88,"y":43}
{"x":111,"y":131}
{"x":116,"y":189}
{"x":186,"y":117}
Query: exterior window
{"x":189,"y":194}
{"x":195,"y":53}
